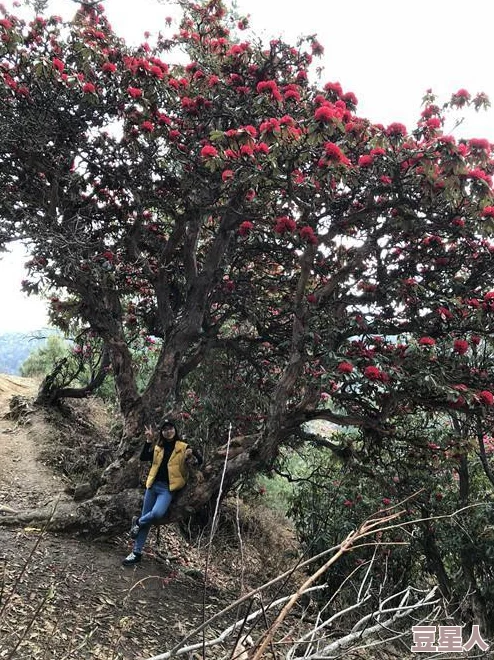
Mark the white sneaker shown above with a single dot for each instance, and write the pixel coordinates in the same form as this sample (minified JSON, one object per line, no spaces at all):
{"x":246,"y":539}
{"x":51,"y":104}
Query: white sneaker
{"x":133,"y":558}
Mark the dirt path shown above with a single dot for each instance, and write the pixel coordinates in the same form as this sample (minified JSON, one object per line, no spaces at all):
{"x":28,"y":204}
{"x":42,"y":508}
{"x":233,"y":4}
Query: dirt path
{"x":24,"y":482}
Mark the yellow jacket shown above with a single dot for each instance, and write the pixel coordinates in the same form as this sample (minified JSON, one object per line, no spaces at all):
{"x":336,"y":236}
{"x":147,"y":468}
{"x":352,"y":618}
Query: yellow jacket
{"x":177,"y":468}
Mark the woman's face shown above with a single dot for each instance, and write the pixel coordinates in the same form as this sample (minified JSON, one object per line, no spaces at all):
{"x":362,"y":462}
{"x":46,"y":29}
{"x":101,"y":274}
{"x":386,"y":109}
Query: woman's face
{"x":168,"y":432}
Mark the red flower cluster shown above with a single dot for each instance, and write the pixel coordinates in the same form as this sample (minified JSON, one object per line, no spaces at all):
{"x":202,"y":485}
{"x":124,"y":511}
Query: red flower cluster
{"x":135,"y":92}
{"x":479,"y":144}
{"x":58,"y":64}
{"x":365,"y":160}
{"x":325,"y":114}
{"x":269,"y":86}
{"x":374,"y":373}
{"x":488,"y":212}
{"x":208,"y":151}
{"x":307,"y":234}
{"x":284,"y":224}
{"x":427,"y":341}
{"x":460,"y":346}
{"x":345,"y":367}
{"x":245,"y":228}
{"x":334,"y":88}
{"x":396,"y":130}
{"x":486,"y":397}
{"x":461,"y":97}
{"x":334,"y":154}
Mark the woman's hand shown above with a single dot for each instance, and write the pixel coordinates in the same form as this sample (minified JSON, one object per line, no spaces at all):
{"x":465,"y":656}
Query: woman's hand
{"x":189,"y":457}
{"x":149,"y":433}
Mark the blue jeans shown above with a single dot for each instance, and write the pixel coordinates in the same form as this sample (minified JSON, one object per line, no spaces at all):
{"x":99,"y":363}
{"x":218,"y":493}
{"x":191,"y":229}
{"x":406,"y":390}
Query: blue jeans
{"x":156,"y":502}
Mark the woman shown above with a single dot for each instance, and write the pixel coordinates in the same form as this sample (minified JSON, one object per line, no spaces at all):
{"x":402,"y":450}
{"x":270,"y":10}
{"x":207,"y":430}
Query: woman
{"x":167,"y":475}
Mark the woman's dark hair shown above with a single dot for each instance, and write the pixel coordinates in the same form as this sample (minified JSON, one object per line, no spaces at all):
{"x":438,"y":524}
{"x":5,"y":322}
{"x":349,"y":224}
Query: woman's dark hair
{"x":169,"y":422}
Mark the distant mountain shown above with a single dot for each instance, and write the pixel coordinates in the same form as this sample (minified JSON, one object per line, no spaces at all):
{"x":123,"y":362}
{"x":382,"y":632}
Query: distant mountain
{"x":16,"y":346}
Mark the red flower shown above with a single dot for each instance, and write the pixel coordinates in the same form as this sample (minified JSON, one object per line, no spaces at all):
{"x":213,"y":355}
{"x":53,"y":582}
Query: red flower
{"x":444,"y":313}
{"x":147,"y":126}
{"x":335,"y":154}
{"x":163,"y":119}
{"x":261,"y":148}
{"x":135,"y":92}
{"x":396,"y":129}
{"x":157,"y":71}
{"x":208,"y":151}
{"x":270,"y":126}
{"x":58,"y":64}
{"x":479,"y":174}
{"x":109,"y":67}
{"x":434,"y":123}
{"x":246,"y":150}
{"x":267,"y":86}
{"x":479,"y":144}
{"x":245,"y":228}
{"x":489,"y":296}
{"x":312,"y":298}
{"x":317,"y":48}
{"x":88,"y":88}
{"x":427,"y":341}
{"x":284,"y":224}
{"x":386,"y":501}
{"x":488,"y":212}
{"x":324,"y":114}
{"x":365,"y":160}
{"x":460,"y":346}
{"x":251,"y":130}
{"x":461,"y":97}
{"x":372,"y":373}
{"x":226,"y":175}
{"x":5,"y":23}
{"x":334,"y":87}
{"x":307,"y":234}
{"x":292,"y":94}
{"x":345,"y":367}
{"x":486,"y":397}
{"x":350,"y":99}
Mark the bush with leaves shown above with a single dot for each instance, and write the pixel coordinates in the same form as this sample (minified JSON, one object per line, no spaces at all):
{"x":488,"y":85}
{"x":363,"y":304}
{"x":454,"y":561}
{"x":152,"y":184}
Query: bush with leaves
{"x":433,"y":472}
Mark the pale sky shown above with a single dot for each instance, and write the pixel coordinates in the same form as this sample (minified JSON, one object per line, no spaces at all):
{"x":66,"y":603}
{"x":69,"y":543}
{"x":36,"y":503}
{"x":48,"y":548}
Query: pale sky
{"x":386,"y":52}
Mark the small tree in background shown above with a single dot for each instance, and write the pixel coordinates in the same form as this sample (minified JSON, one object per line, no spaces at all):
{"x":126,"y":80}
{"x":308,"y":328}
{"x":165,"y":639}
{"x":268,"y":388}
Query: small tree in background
{"x":42,"y":360}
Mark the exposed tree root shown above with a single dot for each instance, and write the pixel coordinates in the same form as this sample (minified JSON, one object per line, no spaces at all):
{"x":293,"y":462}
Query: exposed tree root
{"x":100,"y":515}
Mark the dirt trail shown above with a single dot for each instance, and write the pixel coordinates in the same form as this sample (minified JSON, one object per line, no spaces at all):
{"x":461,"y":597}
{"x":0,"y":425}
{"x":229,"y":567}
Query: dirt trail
{"x":24,"y":482}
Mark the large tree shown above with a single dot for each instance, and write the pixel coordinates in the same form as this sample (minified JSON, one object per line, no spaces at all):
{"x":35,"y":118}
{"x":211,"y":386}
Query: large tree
{"x":200,"y":190}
